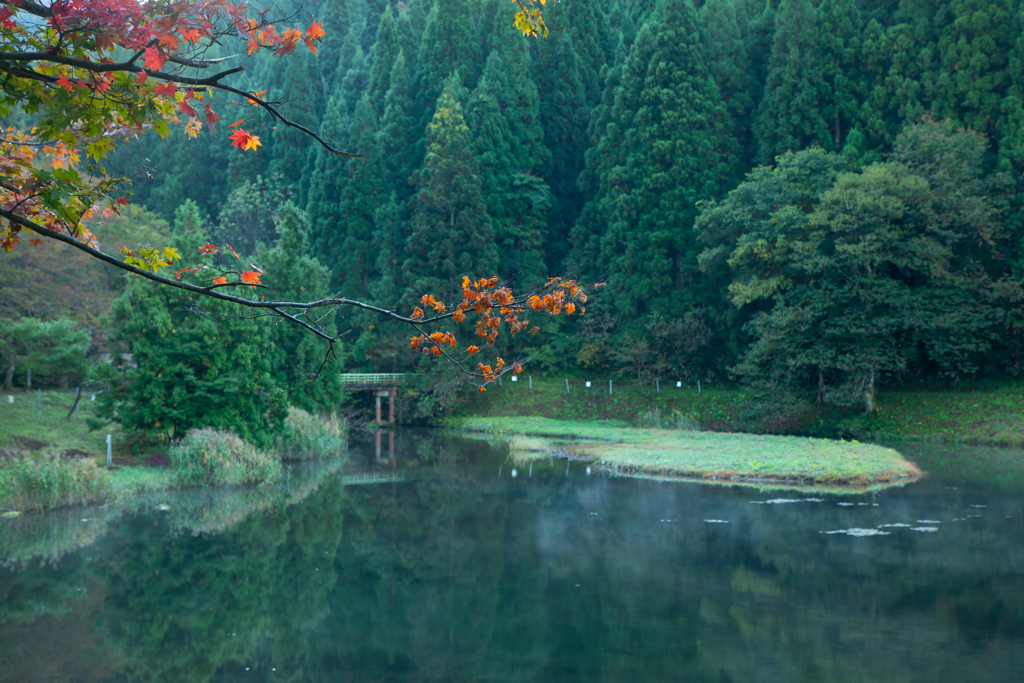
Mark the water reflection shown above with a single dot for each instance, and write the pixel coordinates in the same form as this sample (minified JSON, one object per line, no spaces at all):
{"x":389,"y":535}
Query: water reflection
{"x":435,"y":563}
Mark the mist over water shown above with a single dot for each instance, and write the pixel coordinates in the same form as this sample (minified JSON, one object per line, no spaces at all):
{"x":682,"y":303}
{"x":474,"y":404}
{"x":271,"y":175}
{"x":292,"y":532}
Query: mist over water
{"x":435,"y":563}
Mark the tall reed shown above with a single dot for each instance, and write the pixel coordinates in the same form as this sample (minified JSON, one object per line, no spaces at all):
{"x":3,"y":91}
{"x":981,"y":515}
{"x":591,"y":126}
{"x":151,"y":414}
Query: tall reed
{"x":309,"y":436}
{"x":47,"y":480}
{"x":210,"y":457}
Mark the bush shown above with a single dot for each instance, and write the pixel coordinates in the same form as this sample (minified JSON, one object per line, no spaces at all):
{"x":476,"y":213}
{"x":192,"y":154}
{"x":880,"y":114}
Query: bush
{"x":653,"y":419}
{"x":212,"y":457}
{"x":309,"y":436}
{"x":43,"y":481}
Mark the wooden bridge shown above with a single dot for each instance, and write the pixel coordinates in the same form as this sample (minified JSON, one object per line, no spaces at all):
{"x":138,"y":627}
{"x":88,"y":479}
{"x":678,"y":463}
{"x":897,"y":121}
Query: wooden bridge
{"x":383,"y":384}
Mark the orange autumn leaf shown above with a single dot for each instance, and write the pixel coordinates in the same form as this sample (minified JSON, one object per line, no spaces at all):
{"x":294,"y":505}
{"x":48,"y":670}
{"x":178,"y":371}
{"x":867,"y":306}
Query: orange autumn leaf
{"x":220,"y":281}
{"x":251,"y":277}
{"x":473,"y":349}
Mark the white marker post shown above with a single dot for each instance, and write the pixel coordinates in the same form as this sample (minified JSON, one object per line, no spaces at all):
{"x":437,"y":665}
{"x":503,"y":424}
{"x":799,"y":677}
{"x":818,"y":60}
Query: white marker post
{"x":588,"y":385}
{"x":110,"y":460}
{"x":567,"y":385}
{"x":609,"y":387}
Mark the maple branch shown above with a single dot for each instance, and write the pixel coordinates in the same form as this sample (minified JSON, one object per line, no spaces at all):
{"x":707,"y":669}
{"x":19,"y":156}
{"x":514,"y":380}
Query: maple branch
{"x":204,"y":291}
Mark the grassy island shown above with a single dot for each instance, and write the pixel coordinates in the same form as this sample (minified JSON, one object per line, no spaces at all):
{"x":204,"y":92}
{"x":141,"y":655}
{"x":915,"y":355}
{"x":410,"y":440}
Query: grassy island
{"x":712,"y":456}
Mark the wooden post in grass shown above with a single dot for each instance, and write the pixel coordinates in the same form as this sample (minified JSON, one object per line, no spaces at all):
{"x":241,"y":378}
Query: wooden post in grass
{"x":609,"y":387}
{"x":531,"y":381}
{"x":110,"y":460}
{"x":567,"y":385}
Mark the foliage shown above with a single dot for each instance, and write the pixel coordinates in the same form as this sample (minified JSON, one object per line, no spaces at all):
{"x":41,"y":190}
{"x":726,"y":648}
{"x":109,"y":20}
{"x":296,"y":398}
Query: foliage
{"x":309,"y":436}
{"x":54,"y":350}
{"x":211,"y":457}
{"x":890,"y":269}
{"x":654,"y":419}
{"x":193,"y":368}
{"x":47,"y":480}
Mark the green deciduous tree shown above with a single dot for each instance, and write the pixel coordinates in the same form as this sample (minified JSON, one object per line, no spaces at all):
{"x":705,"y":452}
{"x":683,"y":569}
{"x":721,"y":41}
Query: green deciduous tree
{"x":893,"y":269}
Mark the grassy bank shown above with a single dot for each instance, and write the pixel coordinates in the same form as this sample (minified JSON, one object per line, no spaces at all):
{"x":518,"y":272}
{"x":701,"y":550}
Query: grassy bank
{"x":37,"y":474}
{"x":709,"y":455}
{"x":979,"y":412}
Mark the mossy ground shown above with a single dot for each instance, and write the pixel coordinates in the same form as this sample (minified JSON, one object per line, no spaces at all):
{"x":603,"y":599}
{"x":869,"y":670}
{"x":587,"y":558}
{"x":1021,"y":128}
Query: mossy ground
{"x":988,"y":413}
{"x":711,"y":455}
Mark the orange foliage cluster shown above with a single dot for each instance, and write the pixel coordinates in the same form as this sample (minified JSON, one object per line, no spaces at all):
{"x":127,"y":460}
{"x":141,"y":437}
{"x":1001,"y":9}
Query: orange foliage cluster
{"x":495,"y":305}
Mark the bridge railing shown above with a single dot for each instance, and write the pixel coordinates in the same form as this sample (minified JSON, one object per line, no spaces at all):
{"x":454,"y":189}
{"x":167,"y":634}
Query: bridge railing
{"x":382,"y":378}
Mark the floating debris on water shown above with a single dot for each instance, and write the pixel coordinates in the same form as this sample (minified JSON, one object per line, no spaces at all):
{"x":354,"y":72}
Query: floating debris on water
{"x":857,"y":532}
{"x":924,"y":528}
{"x":717,"y":521}
{"x":779,"y":501}
{"x":979,"y":506}
{"x":897,"y":525}
{"x":928,"y":521}
{"x":10,"y":513}
{"x":845,"y":505}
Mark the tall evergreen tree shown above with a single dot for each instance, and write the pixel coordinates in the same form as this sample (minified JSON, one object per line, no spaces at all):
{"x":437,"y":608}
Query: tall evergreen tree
{"x":509,"y":80}
{"x":791,"y":115}
{"x":516,"y":201}
{"x":385,"y":53}
{"x":450,"y":44}
{"x":841,"y":31}
{"x":330,"y":177}
{"x":671,"y":145}
{"x":359,"y":198}
{"x":451,"y":234}
{"x":975,"y":45}
{"x":564,"y":114}
{"x":340,"y":19}
{"x":293,"y":157}
{"x":396,"y":134}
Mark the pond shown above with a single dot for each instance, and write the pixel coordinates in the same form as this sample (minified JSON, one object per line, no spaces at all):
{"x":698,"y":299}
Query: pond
{"x":445,"y":559}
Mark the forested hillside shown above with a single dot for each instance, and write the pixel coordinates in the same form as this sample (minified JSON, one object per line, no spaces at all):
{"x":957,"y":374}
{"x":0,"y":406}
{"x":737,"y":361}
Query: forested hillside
{"x":810,"y":193}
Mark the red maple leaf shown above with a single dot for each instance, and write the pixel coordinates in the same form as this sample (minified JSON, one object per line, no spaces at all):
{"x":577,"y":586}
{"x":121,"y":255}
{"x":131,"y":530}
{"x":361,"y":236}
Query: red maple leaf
{"x":239,"y":138}
{"x":154,"y":58}
{"x":165,"y":89}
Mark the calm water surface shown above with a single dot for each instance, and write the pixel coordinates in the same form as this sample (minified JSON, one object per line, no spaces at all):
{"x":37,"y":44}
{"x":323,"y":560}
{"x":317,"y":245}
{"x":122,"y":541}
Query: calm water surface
{"x":437,"y":564}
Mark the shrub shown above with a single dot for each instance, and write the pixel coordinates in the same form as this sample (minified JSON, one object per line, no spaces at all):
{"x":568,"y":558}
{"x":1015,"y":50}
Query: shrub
{"x":309,"y":436}
{"x":43,"y":481}
{"x":213,"y":457}
{"x":653,"y":419}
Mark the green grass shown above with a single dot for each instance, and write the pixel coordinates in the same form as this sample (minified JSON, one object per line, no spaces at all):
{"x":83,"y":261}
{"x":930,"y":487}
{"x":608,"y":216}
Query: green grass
{"x":981,"y":412}
{"x":711,"y":455}
{"x":20,"y":423}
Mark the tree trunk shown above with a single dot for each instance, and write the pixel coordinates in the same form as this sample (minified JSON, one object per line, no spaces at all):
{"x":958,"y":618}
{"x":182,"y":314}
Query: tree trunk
{"x":9,"y":380}
{"x":821,"y":388}
{"x":28,"y":378}
{"x":869,"y":394}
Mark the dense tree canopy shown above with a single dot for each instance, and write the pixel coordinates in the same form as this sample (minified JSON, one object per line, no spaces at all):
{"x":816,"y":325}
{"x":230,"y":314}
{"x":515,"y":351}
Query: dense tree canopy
{"x":650,"y":145}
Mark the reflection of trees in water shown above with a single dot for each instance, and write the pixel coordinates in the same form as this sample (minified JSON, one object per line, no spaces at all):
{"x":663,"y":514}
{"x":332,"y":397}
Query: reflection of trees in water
{"x":459,"y":575}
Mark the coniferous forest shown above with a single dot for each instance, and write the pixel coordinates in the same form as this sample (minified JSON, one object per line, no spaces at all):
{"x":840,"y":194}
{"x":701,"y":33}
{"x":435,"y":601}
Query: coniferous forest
{"x":789,"y":193}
